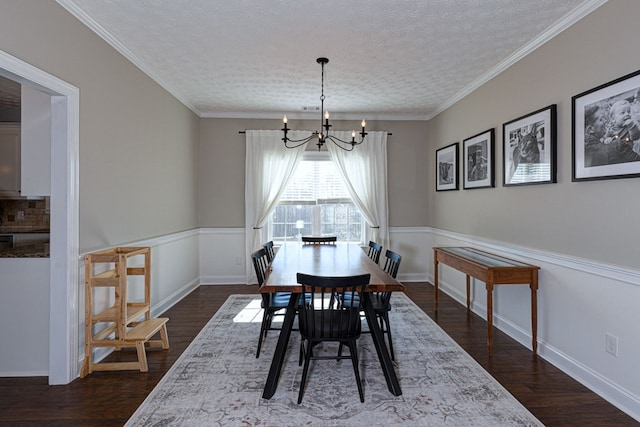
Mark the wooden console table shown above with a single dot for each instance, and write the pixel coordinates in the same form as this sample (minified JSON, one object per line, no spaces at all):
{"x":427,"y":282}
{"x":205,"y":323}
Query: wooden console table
{"x":492,"y":270}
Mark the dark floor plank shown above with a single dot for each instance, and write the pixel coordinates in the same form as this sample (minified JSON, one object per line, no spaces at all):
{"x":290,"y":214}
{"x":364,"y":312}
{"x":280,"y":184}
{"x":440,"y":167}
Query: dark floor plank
{"x":110,"y":398}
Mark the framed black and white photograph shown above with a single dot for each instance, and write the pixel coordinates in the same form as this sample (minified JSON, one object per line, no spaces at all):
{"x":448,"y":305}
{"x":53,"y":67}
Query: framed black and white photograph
{"x":477,"y":159}
{"x":606,"y":130}
{"x":447,"y":168}
{"x":529,"y":148}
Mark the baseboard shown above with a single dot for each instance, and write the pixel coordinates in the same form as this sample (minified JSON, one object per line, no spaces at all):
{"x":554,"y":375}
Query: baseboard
{"x":24,"y":374}
{"x":223,"y":280}
{"x":589,"y":377}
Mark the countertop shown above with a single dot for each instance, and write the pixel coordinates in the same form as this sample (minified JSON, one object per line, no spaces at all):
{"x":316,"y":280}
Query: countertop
{"x":20,"y":230}
{"x":35,"y":250}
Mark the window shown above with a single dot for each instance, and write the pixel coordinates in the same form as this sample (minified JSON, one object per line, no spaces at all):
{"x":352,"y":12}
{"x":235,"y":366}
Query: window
{"x":317,"y":203}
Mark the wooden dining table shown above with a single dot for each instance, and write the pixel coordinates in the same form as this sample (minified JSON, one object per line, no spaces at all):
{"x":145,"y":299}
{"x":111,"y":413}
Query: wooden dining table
{"x":341,"y":259}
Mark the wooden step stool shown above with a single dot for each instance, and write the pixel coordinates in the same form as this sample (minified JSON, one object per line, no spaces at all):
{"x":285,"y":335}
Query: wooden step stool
{"x":127,"y":323}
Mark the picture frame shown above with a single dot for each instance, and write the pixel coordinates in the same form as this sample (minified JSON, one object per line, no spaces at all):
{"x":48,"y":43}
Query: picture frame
{"x":606,"y":131}
{"x":478,"y":160}
{"x":447,"y":168}
{"x":529,"y":148}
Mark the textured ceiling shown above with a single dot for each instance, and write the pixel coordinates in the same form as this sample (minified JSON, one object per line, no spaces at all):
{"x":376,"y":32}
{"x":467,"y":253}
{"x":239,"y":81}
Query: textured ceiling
{"x":388,"y":59}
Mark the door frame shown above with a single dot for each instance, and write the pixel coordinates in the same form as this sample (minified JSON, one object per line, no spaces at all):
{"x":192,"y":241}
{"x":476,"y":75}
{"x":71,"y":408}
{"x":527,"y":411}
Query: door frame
{"x":64,"y":237}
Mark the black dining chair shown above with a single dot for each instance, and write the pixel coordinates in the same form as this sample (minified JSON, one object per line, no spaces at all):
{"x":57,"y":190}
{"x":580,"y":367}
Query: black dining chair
{"x":381,"y":301}
{"x":321,"y":319}
{"x":270,"y":250}
{"x":375,"y":249}
{"x":272,"y":303}
{"x":319,"y":240}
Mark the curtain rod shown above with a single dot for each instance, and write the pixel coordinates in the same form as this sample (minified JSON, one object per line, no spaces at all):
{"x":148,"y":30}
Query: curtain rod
{"x":243,"y":131}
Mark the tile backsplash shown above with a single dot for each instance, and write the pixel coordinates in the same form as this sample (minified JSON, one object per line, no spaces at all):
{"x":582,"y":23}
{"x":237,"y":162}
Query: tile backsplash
{"x":24,"y":213}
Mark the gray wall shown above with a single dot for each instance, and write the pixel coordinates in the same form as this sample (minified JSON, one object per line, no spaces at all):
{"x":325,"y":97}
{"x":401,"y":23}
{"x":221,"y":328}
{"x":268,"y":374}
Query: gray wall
{"x":138,"y":144}
{"x":595,"y":220}
{"x":222,"y":168}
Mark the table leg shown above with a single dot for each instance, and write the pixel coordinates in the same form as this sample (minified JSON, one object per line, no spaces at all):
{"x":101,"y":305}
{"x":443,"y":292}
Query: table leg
{"x":381,"y":347}
{"x":468,"y":292}
{"x":281,"y":348}
{"x":534,"y":312}
{"x":435,"y":281}
{"x":490,"y":318}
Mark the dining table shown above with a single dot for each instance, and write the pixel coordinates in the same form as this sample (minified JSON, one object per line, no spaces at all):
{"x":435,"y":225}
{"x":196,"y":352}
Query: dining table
{"x":340,"y":259}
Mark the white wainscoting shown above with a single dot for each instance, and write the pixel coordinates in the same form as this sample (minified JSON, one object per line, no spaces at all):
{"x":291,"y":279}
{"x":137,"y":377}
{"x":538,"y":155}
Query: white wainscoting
{"x":174,"y":274}
{"x":579,"y":301}
{"x":223,"y":257}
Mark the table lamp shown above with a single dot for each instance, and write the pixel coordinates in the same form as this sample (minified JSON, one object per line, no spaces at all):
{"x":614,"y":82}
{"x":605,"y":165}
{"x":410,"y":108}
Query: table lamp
{"x":299,"y":227}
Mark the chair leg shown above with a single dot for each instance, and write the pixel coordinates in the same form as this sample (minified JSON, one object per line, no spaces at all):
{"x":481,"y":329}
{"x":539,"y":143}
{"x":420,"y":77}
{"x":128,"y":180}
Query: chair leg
{"x":301,"y":356}
{"x":305,"y":371}
{"x":387,"y":330}
{"x":263,"y":331}
{"x":353,"y":349}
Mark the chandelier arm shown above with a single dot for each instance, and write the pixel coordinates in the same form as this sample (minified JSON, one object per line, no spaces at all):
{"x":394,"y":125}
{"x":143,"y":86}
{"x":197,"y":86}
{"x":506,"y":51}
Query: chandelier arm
{"x":325,"y":127}
{"x":297,"y":142}
{"x":302,"y":142}
{"x":307,"y":139}
{"x":352,"y":142}
{"x":338,"y":143}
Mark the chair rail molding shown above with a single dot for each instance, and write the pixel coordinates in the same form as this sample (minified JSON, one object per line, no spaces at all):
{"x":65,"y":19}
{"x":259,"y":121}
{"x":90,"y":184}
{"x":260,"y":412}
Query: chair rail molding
{"x":572,"y":291}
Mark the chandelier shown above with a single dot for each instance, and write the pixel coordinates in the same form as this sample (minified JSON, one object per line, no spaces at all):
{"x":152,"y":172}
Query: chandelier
{"x":323,"y":136}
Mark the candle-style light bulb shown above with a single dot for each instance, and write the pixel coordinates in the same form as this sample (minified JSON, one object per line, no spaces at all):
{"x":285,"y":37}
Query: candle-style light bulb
{"x":363,"y":123}
{"x":353,"y":134}
{"x":284,"y":120}
{"x":326,"y":115}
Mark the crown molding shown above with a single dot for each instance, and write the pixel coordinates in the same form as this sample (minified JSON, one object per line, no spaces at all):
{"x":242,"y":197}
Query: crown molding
{"x":113,"y":41}
{"x":571,"y":18}
{"x":314,"y":116}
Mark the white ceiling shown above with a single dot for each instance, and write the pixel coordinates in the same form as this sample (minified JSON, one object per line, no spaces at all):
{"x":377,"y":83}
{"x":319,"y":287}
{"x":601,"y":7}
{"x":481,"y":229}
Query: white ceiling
{"x":388,"y":59}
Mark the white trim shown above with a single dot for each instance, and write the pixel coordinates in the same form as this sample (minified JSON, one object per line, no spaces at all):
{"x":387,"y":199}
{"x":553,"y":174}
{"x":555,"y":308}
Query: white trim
{"x":621,"y":274}
{"x":94,"y":26}
{"x":410,"y":230}
{"x":595,"y":381}
{"x":564,"y":23}
{"x":152,"y":241}
{"x":313,"y":116}
{"x":223,"y":230}
{"x":224,"y":280}
{"x":65,"y":103}
{"x":574,"y":16}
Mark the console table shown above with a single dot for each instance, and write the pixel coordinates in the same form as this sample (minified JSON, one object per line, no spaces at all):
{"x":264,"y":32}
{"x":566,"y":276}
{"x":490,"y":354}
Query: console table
{"x":492,"y":270}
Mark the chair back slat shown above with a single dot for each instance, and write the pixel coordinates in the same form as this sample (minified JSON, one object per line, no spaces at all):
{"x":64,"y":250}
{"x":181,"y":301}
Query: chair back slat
{"x":268,"y":247}
{"x":260,"y":264}
{"x":392,"y":263}
{"x":322,"y":318}
{"x":375,"y":249}
{"x":319,"y":240}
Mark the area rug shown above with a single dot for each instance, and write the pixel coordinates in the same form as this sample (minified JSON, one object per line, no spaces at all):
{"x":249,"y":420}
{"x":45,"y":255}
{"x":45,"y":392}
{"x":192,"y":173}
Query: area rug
{"x":219,"y":382}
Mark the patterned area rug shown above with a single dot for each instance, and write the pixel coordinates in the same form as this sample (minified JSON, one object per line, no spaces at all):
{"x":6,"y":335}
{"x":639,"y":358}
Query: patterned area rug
{"x":218,"y":381}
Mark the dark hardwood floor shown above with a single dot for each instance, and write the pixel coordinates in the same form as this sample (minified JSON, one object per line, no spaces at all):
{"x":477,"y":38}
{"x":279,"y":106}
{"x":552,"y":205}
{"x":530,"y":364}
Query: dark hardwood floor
{"x":110,"y":398}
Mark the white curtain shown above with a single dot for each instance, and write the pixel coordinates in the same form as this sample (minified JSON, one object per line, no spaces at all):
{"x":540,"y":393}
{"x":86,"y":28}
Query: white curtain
{"x":364,"y":171}
{"x":269,"y":166}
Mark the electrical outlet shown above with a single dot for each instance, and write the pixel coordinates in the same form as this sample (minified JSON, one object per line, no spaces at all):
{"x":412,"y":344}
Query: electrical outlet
{"x":238,"y":260}
{"x":20,"y":215}
{"x":611,"y":344}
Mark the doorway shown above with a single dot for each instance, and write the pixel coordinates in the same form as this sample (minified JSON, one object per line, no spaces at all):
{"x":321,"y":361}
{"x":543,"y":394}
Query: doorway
{"x":63,"y":280}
